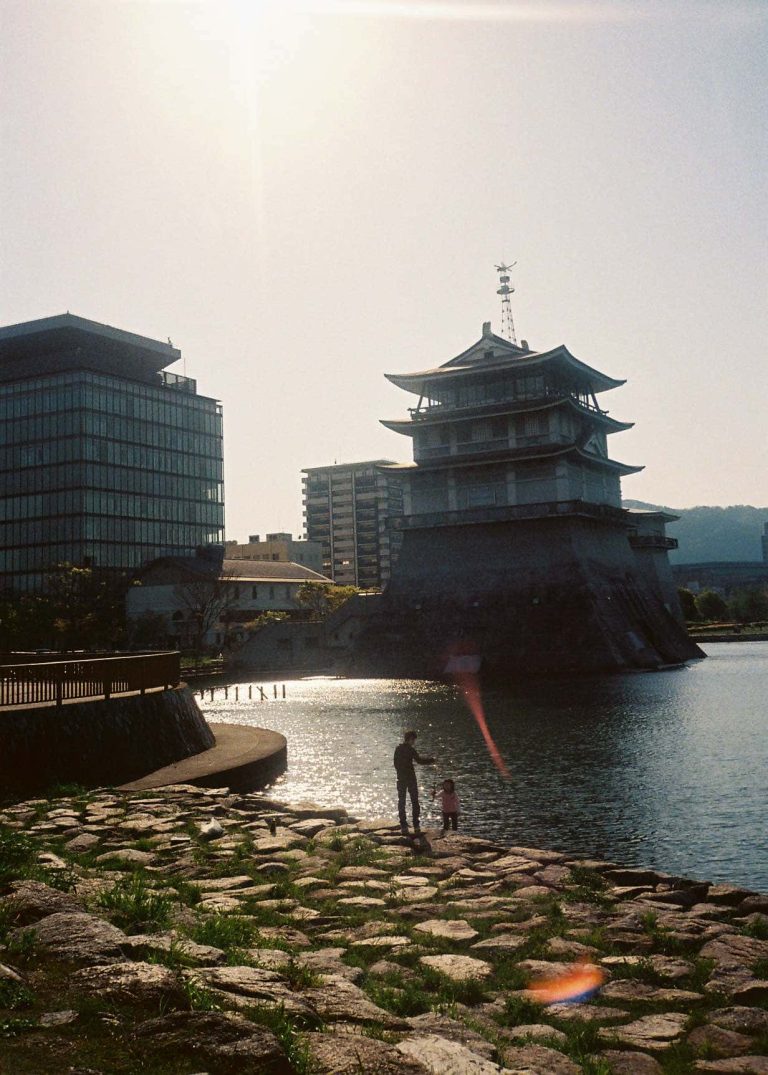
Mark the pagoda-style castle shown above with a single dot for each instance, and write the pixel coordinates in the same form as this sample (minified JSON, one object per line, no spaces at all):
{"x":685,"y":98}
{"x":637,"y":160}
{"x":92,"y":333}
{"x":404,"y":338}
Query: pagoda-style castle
{"x":516,"y":550}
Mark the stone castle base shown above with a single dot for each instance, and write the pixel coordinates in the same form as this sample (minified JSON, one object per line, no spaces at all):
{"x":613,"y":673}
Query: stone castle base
{"x":528,"y":598}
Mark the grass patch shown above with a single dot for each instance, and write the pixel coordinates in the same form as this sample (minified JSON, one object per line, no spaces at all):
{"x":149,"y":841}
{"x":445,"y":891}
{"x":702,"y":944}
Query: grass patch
{"x":133,"y":906}
{"x":188,"y":892}
{"x":757,"y":928}
{"x":12,"y":1025}
{"x":760,"y":968}
{"x":225,"y":931}
{"x":400,"y":996}
{"x":519,"y":1011}
{"x":14,"y":995}
{"x":295,"y":1046}
{"x":17,"y":856}
{"x":447,"y":992}
{"x":199,"y":997}
{"x":23,"y":947}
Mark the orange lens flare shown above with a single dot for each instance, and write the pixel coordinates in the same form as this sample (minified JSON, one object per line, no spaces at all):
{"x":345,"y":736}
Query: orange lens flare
{"x":577,"y":984}
{"x":463,"y":669}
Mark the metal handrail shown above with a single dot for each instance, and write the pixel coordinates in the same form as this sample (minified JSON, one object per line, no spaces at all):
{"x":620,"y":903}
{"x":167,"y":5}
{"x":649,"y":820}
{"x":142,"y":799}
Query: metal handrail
{"x":56,"y":682}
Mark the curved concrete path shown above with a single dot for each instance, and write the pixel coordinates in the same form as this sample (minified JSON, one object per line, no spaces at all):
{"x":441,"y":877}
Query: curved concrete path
{"x":243,"y":759}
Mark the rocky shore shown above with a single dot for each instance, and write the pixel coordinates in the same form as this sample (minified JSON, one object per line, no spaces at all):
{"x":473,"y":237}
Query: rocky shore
{"x":189,"y":931}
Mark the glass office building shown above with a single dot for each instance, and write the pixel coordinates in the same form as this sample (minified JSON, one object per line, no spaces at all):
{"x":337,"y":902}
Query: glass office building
{"x":107,"y":459}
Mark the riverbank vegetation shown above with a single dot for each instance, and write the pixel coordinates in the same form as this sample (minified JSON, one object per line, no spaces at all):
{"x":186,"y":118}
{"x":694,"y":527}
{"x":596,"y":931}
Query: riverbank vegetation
{"x":296,"y":941}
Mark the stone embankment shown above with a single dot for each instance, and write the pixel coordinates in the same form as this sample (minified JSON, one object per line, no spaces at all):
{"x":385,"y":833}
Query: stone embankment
{"x":188,"y":931}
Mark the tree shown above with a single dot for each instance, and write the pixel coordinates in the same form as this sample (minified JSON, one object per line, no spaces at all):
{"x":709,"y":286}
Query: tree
{"x":688,"y":604}
{"x":749,"y":606}
{"x":711,"y":606}
{"x":205,"y":600}
{"x":323,"y":598}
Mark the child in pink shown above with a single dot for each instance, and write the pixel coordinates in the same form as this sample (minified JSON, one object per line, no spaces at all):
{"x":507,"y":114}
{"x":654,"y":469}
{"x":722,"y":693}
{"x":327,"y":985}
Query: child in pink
{"x":449,"y":804}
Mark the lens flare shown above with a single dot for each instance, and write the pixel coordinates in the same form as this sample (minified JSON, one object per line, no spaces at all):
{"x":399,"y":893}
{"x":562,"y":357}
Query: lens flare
{"x":580,"y":982}
{"x":463,"y":666}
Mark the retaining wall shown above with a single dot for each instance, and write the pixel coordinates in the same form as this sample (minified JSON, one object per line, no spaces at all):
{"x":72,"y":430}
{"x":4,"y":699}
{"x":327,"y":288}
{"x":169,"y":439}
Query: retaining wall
{"x":102,"y":742}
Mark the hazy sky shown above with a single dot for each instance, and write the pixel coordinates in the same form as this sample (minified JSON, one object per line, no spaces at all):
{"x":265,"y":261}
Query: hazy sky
{"x":305,"y":196}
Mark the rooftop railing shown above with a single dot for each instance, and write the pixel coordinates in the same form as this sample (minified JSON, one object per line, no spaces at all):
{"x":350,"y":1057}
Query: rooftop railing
{"x":93,"y":678}
{"x":498,"y":513}
{"x":433,"y":408}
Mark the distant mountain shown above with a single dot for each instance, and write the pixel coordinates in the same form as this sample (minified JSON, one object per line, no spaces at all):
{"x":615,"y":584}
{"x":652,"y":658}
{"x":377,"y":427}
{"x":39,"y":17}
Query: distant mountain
{"x":713,"y":534}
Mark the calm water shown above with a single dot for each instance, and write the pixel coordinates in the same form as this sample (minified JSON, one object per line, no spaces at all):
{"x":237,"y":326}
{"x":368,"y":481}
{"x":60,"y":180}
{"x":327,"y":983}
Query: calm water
{"x":667,"y":769}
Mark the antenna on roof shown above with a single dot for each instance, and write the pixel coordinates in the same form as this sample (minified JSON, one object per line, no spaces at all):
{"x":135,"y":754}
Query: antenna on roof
{"x":507,"y":324}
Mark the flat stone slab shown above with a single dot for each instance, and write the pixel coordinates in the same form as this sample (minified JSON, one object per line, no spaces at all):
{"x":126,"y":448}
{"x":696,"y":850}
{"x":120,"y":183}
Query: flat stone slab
{"x":652,"y":1032}
{"x":75,"y":938}
{"x":621,"y":1063}
{"x":742,"y":1019}
{"x":442,"y":1057}
{"x":382,"y":942}
{"x":456,"y":929}
{"x":244,"y":986}
{"x":538,"y":1060}
{"x":216,"y":1038}
{"x":737,"y":1065}
{"x":133,"y":983}
{"x":501,"y":942}
{"x":458,"y":968}
{"x":29,"y":901}
{"x":351,"y":1054}
{"x":339,"y":1000}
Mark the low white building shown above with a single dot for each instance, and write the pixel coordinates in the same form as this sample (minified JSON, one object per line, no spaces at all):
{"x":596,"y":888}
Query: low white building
{"x":205,"y":600}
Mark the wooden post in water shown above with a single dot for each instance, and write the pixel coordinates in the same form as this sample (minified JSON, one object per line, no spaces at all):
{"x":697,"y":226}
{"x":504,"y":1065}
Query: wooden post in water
{"x":237,"y":694}
{"x":283,"y":690}
{"x":263,"y":695}
{"x":274,"y":689}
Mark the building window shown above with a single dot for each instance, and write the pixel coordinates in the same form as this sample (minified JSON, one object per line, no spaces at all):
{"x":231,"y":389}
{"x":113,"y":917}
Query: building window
{"x":254,"y":592}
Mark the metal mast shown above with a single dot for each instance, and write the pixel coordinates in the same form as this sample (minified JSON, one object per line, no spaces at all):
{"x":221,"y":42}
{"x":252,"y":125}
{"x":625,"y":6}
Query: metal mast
{"x":507,"y":324}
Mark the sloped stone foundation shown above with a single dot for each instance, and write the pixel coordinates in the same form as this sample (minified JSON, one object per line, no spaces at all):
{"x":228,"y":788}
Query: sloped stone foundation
{"x":533,"y":598}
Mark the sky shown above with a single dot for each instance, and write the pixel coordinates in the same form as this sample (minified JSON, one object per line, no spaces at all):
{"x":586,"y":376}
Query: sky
{"x":305,"y":196}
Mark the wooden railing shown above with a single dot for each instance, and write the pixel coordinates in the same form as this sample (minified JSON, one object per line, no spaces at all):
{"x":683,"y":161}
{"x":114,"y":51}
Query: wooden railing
{"x":56,"y":682}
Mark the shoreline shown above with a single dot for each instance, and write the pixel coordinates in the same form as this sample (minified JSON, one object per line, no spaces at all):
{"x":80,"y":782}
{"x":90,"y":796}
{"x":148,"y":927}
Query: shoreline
{"x":210,"y":943}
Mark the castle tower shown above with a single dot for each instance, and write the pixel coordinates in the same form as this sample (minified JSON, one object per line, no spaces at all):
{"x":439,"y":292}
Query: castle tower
{"x":515,"y":544}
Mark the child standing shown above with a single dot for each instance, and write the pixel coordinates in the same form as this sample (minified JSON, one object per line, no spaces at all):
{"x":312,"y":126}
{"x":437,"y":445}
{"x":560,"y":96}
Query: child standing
{"x":449,"y":804}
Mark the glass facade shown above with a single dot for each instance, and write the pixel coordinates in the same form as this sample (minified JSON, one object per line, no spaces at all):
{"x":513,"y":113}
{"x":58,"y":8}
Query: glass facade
{"x":104,"y":471}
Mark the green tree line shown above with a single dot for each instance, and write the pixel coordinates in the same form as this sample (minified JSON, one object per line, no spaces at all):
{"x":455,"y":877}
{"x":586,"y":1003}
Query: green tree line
{"x":743,"y":606}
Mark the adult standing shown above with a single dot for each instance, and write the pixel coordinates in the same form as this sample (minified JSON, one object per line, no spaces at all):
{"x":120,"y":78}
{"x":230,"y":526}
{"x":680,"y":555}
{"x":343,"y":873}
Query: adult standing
{"x":405,"y":755}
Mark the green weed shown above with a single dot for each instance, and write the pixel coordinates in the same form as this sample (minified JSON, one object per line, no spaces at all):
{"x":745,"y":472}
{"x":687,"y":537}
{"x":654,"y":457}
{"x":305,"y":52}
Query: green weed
{"x":199,"y":997}
{"x":14,"y":995}
{"x":519,"y":1011}
{"x":13,"y":1025}
{"x":758,"y":928}
{"x":17,"y":855}
{"x":284,"y":1029}
{"x":132,"y":905}
{"x":225,"y":931}
{"x":23,"y":947}
{"x":397,"y":995}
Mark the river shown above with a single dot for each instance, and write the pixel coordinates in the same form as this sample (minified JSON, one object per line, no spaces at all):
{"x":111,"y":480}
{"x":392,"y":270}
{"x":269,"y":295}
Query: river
{"x":666,"y":769}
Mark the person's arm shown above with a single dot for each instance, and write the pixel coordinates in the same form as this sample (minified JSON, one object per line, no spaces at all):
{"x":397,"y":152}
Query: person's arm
{"x":422,"y":761}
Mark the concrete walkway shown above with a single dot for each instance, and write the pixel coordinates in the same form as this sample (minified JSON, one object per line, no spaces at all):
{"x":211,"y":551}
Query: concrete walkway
{"x":243,"y":759}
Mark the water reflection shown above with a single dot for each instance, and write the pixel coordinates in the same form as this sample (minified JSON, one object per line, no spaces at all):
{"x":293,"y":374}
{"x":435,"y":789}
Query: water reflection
{"x":665,"y":769}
